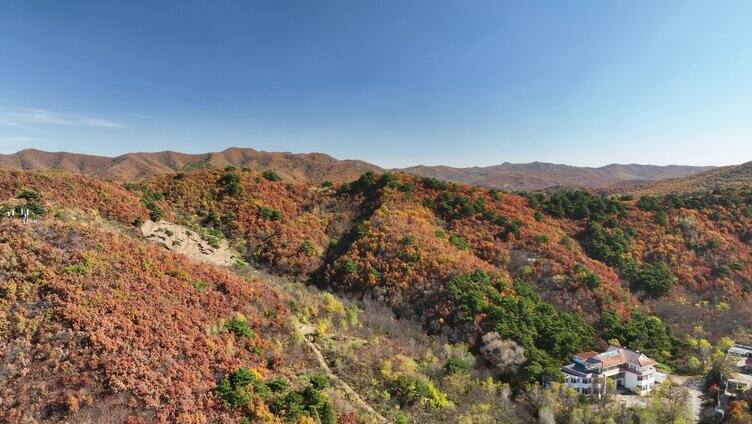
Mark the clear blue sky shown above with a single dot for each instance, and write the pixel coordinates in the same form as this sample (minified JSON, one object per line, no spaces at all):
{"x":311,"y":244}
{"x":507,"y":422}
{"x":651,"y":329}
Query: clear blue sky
{"x":395,"y":83}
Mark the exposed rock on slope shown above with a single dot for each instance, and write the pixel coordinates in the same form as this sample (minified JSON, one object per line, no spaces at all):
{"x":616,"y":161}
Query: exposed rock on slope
{"x":189,"y":243}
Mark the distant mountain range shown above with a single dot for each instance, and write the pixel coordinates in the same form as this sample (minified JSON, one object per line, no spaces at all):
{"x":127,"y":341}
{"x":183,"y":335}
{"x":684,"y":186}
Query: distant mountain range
{"x":541,"y":175}
{"x":319,"y":167}
{"x":736,"y":176}
{"x":310,"y":167}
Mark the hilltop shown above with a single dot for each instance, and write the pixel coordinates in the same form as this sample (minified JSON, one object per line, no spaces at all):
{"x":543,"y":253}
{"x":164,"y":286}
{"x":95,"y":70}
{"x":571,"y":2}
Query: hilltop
{"x":404,"y":240}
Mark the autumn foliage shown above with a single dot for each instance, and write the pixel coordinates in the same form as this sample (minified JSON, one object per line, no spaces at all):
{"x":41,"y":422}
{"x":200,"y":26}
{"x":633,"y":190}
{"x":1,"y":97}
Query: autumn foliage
{"x":73,"y":191}
{"x":135,"y":331}
{"x":110,"y":329}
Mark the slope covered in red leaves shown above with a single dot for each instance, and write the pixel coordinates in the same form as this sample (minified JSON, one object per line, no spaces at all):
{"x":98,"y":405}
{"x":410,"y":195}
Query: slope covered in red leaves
{"x":315,"y":227}
{"x":98,"y":327}
{"x":273,"y":218}
{"x":388,"y":237}
{"x":411,"y":245}
{"x":73,"y":191}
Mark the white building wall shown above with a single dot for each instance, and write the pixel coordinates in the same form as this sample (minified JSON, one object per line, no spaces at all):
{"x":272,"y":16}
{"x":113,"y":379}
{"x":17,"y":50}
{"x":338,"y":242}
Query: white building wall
{"x":629,"y":376}
{"x":631,"y":382}
{"x":578,"y":383}
{"x":610,"y":372}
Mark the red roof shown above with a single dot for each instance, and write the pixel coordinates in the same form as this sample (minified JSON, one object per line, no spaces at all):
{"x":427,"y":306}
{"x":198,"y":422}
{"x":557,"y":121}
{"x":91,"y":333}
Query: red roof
{"x":644,"y":361}
{"x":748,"y":362}
{"x":616,"y":356}
{"x":586,"y":355}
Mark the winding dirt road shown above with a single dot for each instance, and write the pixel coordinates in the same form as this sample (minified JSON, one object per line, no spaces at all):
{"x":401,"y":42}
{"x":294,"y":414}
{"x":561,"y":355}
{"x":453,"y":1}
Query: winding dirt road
{"x":694,"y":390}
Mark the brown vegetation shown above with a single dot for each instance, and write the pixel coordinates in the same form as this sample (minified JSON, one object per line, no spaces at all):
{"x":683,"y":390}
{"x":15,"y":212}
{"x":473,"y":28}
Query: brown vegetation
{"x":98,"y":327}
{"x":146,"y":329}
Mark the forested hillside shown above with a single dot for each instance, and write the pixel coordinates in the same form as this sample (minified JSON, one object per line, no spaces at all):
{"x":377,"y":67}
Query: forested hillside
{"x":138,"y":333}
{"x":407,"y":241}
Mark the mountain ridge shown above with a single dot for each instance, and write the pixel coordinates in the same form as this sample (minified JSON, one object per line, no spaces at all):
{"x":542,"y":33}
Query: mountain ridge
{"x":539,"y":175}
{"x":320,"y":167}
{"x":130,"y":166}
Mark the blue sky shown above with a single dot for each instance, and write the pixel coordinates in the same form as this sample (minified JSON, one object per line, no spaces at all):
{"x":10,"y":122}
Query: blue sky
{"x":396,"y":83}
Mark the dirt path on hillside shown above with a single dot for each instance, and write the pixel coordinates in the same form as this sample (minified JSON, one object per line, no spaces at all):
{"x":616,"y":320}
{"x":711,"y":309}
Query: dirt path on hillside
{"x":307,"y":331}
{"x":695,"y":399}
{"x":694,"y":389}
{"x":353,"y":396}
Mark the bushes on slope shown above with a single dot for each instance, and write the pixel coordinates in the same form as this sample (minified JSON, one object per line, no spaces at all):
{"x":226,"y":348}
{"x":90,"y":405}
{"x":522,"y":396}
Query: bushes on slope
{"x":696,"y":200}
{"x":640,"y":331}
{"x":230,"y":183}
{"x":612,"y":247}
{"x":576,"y":204}
{"x":240,"y":387}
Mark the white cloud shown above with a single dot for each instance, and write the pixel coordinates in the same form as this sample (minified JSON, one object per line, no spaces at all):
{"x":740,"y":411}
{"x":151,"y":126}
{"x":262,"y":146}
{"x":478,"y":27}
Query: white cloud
{"x":16,"y":139}
{"x":10,"y":123}
{"x":22,"y":117}
{"x":12,"y":144}
{"x":137,"y":115}
{"x":15,"y":124}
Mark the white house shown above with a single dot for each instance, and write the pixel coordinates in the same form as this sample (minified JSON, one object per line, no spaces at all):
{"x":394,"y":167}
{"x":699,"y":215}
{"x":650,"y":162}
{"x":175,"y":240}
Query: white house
{"x":739,"y":382}
{"x":628,"y":369}
{"x":740,"y":350}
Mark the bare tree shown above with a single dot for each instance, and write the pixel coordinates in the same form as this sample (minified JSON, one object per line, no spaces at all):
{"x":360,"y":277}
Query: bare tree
{"x":506,"y":355}
{"x":546,"y":416}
